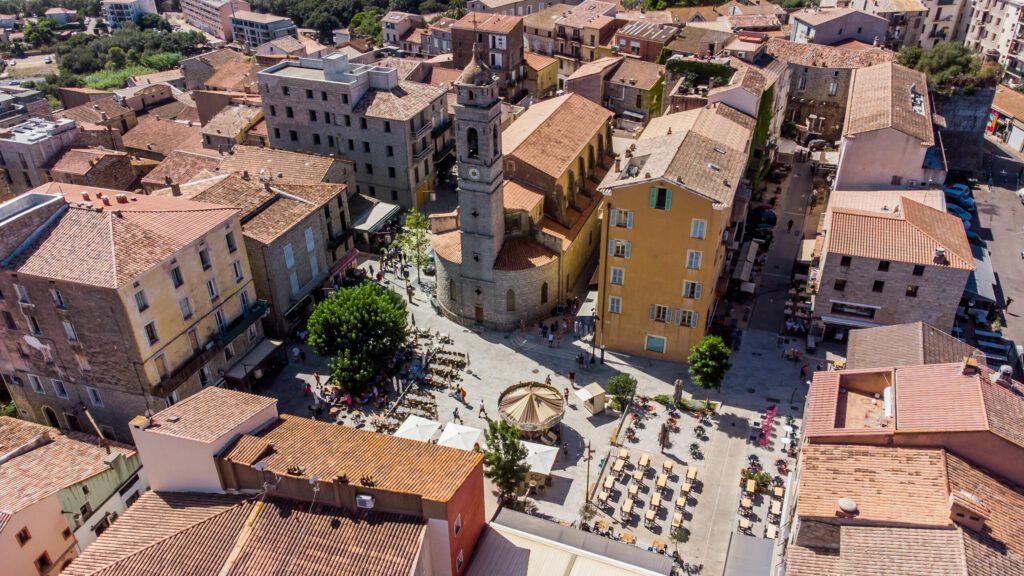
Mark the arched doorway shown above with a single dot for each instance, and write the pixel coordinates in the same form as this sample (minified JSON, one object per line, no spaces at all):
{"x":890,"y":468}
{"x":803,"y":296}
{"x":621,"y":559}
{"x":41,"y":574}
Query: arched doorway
{"x":51,"y":417}
{"x":510,"y":301}
{"x":544,"y":293}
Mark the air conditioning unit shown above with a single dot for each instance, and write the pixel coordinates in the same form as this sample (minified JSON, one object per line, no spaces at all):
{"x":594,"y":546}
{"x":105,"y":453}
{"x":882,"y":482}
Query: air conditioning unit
{"x":364,"y":501}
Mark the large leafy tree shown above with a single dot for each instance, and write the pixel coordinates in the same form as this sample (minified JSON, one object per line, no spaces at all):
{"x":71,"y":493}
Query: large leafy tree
{"x":414,"y":240}
{"x":505,"y":458}
{"x":362,"y":328}
{"x":621,"y":387}
{"x":709,"y":363}
{"x":949,"y":64}
{"x":40,"y":32}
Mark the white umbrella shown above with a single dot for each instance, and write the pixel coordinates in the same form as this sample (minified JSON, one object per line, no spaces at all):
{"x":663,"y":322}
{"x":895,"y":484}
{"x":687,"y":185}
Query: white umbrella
{"x":418,"y":428}
{"x":461,"y":437}
{"x":540,"y":458}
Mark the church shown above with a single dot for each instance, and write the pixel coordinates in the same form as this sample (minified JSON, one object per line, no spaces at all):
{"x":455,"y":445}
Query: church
{"x":527,"y":225}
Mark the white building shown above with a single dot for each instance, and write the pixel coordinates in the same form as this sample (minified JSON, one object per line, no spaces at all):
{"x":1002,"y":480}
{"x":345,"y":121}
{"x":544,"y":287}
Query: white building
{"x":995,"y":31}
{"x":120,"y":12}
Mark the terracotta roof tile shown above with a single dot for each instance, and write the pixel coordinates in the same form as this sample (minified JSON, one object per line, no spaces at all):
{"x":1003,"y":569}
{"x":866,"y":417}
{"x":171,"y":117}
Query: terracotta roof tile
{"x":815,"y":16}
{"x":64,"y":460}
{"x":551,"y":134}
{"x":898,"y":486}
{"x":156,"y":77}
{"x":1009,"y":101}
{"x":233,"y":120}
{"x":520,"y":196}
{"x":235,"y":76}
{"x":108,"y":246}
{"x":911,"y":236}
{"x":165,"y":534}
{"x":93,"y":111}
{"x":400,"y":103}
{"x":803,"y":561}
{"x":82,"y":160}
{"x":162,"y":136}
{"x":695,"y":13}
{"x":820,"y":56}
{"x":903,"y":345}
{"x":882,"y":97}
{"x":443,"y":77}
{"x":744,"y":21}
{"x":637,"y":73}
{"x":938,"y":397}
{"x":278,"y":164}
{"x":577,"y":219}
{"x":181,"y":166}
{"x":538,"y":61}
{"x":495,"y":23}
{"x":448,"y":246}
{"x":999,"y":549}
{"x":521,"y":254}
{"x":396,"y":464}
{"x":208,"y":415}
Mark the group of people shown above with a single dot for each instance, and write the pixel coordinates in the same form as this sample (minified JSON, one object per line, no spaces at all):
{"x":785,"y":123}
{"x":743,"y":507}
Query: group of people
{"x":796,"y":326}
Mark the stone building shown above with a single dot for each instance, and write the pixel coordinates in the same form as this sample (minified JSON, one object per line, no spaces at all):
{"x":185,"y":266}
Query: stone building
{"x":437,"y":39}
{"x":527,"y":222}
{"x":253,"y":29}
{"x":572,"y":34}
{"x":819,"y":82}
{"x":362,"y":113}
{"x":906,"y":19}
{"x":644,"y":39}
{"x":499,"y":40}
{"x":894,"y":262}
{"x":295,"y":232}
{"x":829,"y":27}
{"x":541,"y":75}
{"x":629,"y":87}
{"x":106,"y":112}
{"x":131,"y":302}
{"x":230,"y":127}
{"x":198,"y":69}
{"x":28,"y":149}
{"x":94,"y":167}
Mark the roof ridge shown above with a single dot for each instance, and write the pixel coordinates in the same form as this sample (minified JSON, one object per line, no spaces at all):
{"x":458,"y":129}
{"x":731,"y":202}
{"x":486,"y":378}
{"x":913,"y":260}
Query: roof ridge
{"x":908,"y":219}
{"x":113,"y":246}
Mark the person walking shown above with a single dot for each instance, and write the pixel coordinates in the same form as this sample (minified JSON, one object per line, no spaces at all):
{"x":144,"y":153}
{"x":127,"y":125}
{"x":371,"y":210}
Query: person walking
{"x":548,"y":380}
{"x":789,"y":225}
{"x":455,"y":415}
{"x":551,"y":339}
{"x":803,"y":371}
{"x":1008,"y":302}
{"x":483,"y":411}
{"x":572,"y":378}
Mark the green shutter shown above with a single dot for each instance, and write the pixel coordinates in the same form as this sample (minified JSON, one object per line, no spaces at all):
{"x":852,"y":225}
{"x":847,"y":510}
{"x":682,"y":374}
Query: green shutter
{"x":668,"y":198}
{"x":654,"y":197}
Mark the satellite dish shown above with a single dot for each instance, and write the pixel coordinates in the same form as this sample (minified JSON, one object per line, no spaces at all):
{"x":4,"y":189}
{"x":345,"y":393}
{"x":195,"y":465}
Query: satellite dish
{"x":312,"y":480}
{"x":261,"y":465}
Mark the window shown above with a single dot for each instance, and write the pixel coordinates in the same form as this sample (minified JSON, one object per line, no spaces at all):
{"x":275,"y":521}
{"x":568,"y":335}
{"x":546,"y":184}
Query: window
{"x":692,"y":290}
{"x":389,"y":150}
{"x":161,"y":367}
{"x":622,"y":218}
{"x":387,"y":126}
{"x":344,"y":100}
{"x":366,"y":147}
{"x":911,"y":291}
{"x":293,"y":279}
{"x":883,"y":265}
{"x":839,"y":285}
{"x":151,"y":334}
{"x":58,"y":299}
{"x":391,"y":171}
{"x":185,"y":304}
{"x":23,"y":536}
{"x":204,"y":259}
{"x":459,"y":561}
{"x":309,"y":239}
{"x":918,"y":270}
{"x":70,"y":331}
{"x":316,"y":139}
{"x":878,"y":286}
{"x":698,"y":228}
{"x":22,"y":294}
{"x":458,"y":524}
{"x":897,"y":180}
{"x":229,"y":352}
{"x":686,"y":318}
{"x":293,"y":135}
{"x":289,"y":256}
{"x":33,"y":326}
{"x":369,"y":168}
{"x":222,"y":322}
{"x":661,"y":198}
{"x":284,"y":90}
{"x":615,"y":305}
{"x":845,"y":261}
{"x":853,"y":310}
{"x":59,"y":389}
{"x":693,"y":259}
{"x":510,"y":301}
{"x":230,"y":239}
{"x":544,"y":293}
{"x":802,"y":85}
{"x":312,"y":115}
{"x":243,"y":296}
{"x":661,"y":313}
{"x":618,"y":275}
{"x":314,"y":265}
{"x":94,"y":396}
{"x":140,"y":300}
{"x":43,"y":562}
{"x":655,"y":344}
{"x":619,"y":248}
{"x":289,"y":112}
{"x":237,"y":267}
{"x":833,"y":88}
{"x":273,"y":111}
{"x":362,"y":123}
{"x":351,"y":144}
{"x":204,"y":376}
{"x":211,"y":289}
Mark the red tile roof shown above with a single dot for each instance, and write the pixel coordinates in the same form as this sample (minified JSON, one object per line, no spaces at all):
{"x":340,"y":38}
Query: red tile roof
{"x":94,"y":111}
{"x":277,"y":164}
{"x":938,"y":397}
{"x":181,"y":166}
{"x":82,"y":160}
{"x":169,"y":534}
{"x":209,"y":415}
{"x":522,"y":254}
{"x":162,"y":136}
{"x":400,"y":103}
{"x":448,"y":246}
{"x":903,"y":345}
{"x":235,"y":76}
{"x":551,"y":134}
{"x":491,"y":23}
{"x":520,"y":196}
{"x":999,"y":549}
{"x":881,"y":97}
{"x":538,"y":61}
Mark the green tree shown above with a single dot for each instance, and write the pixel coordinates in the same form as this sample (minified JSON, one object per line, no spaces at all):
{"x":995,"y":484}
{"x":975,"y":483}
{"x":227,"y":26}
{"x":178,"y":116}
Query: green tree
{"x":709,"y":362}
{"x":621,"y":387}
{"x":18,"y":50}
{"x":40,"y":32}
{"x":361,"y":328}
{"x":116,"y":58}
{"x":414,"y":240}
{"x":367,"y":23}
{"x":505,"y":458}
{"x":456,"y":9}
{"x":151,"y":21}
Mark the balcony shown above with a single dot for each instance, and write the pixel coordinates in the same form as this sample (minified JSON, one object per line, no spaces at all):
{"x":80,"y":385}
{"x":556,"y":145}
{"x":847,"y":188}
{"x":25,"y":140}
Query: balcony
{"x":213,"y":347}
{"x":444,"y":150}
{"x":417,"y":156}
{"x":417,"y":132}
{"x":440,"y":127}
{"x":339,"y":239}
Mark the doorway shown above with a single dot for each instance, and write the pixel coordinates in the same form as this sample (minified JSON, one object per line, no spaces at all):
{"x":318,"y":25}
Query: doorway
{"x":72,"y":422}
{"x":51,"y":417}
{"x":480,"y":314}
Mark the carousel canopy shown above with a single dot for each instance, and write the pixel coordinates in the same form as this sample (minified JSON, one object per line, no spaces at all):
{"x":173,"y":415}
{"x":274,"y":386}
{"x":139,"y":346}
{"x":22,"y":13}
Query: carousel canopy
{"x":461,"y":437}
{"x":418,"y":428}
{"x":532,"y":407}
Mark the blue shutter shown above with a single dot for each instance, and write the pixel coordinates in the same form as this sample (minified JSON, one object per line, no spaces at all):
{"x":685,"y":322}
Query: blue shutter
{"x":628,"y":250}
{"x":697,"y":291}
{"x":629,"y":219}
{"x":611,"y":216}
{"x":652,"y":311}
{"x":668,"y":198}
{"x":654,"y":197}
{"x":693,"y":320}
{"x":611,"y":248}
{"x":679,"y":316}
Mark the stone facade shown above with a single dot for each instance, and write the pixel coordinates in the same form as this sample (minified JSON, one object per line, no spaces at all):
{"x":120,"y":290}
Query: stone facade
{"x":821,"y":93}
{"x":499,"y":39}
{"x":28,"y":148}
{"x":459,"y":301}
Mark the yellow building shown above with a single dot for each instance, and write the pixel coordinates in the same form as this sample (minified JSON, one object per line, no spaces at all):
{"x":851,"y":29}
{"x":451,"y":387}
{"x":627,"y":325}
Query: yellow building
{"x":670,"y":214}
{"x":541,"y":75}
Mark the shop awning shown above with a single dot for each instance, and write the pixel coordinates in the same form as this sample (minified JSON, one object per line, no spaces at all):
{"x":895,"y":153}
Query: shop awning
{"x":981,"y":284}
{"x":745,"y":265}
{"x":806,"y":251}
{"x":252,"y":360}
{"x":369,"y":214}
{"x":848,"y":322}
{"x":748,"y":556}
{"x":345,"y":260}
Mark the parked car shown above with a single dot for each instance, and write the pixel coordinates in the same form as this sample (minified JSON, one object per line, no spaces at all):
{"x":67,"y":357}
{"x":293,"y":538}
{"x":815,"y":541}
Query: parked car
{"x":973,"y":237}
{"x":958,"y":189}
{"x":959,"y":213}
{"x":1020,"y":194}
{"x":963,"y":201}
{"x":48,"y":60}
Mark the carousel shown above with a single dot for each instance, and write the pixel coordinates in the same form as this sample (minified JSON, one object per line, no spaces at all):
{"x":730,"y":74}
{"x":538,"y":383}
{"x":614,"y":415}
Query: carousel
{"x":534,"y":409}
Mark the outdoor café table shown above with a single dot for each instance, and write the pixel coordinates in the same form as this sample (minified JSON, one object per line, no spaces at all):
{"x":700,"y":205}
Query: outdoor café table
{"x":686,"y":487}
{"x":650,"y":515}
{"x":656,"y":501}
{"x":779,"y":491}
{"x":744,"y":524}
{"x":645,"y":461}
{"x":746,"y":504}
{"x":691,"y":473}
{"x":667,"y":466}
{"x":602,"y":525}
{"x":662,"y":481}
{"x":677,"y":520}
{"x":627,"y":508}
{"x":750,"y":486}
{"x":638,"y":474}
{"x":603,"y":497}
{"x":633,"y":490}
{"x":776,"y":508}
{"x":681,"y":502}
{"x":628,"y":538}
{"x":660,"y":546}
{"x":618,"y":466}
{"x":609,"y":483}
{"x":770,"y":531}
{"x":624,"y":454}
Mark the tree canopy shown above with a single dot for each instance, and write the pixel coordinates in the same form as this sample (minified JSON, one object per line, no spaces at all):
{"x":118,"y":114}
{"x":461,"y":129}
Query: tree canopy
{"x":414,"y":240}
{"x":949,"y":64}
{"x":505,"y":457}
{"x":40,"y":32}
{"x":360,"y":328}
{"x":709,"y":363}
{"x":621,"y":388}
{"x":84,"y":53}
{"x":326,"y":15}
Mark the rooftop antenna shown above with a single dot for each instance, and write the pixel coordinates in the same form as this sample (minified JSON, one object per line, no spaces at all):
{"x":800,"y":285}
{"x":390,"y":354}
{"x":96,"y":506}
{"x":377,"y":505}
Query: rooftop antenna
{"x":314,"y":482}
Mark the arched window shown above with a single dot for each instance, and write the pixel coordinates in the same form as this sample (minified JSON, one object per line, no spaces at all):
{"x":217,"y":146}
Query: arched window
{"x":544,"y":293}
{"x":472,"y":143}
{"x":494,"y":142}
{"x":510,"y":300}
{"x":451,"y":290}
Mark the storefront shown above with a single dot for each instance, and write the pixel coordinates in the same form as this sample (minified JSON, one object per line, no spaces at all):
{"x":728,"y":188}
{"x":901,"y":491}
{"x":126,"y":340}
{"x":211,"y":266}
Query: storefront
{"x":1006,"y":120}
{"x":265,"y":359}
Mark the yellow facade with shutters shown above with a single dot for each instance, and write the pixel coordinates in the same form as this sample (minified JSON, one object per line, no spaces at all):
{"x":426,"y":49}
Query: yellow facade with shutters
{"x":661,"y":257}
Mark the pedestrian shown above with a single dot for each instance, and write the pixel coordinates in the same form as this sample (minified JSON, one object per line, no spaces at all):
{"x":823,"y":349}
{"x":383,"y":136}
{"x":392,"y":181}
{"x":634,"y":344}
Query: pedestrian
{"x":803,"y":371}
{"x":1008,"y":302}
{"x":483,"y":412}
{"x":413,"y":318}
{"x":551,"y":339}
{"x":455,"y":415}
{"x":296,"y":353}
{"x":316,"y":378}
{"x":463,"y":391}
{"x":572,"y":378}
{"x":548,"y":380}
{"x":544,"y":330}
{"x":789,"y":225}
{"x":302,"y":354}
{"x":566,"y":393}
{"x":558,"y":340}
{"x":371,"y":270}
{"x":306,"y":389}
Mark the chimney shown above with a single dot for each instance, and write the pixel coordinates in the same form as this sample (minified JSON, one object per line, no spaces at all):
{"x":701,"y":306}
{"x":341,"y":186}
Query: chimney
{"x":121,"y":198}
{"x":168,"y":180}
{"x":106,"y":200}
{"x":876,"y":42}
{"x":103,"y":115}
{"x":245,"y":175}
{"x":967,"y":510}
{"x":175,"y":189}
{"x":618,"y":165}
{"x":940,"y":255}
{"x":85,"y":195}
{"x":157,"y":116}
